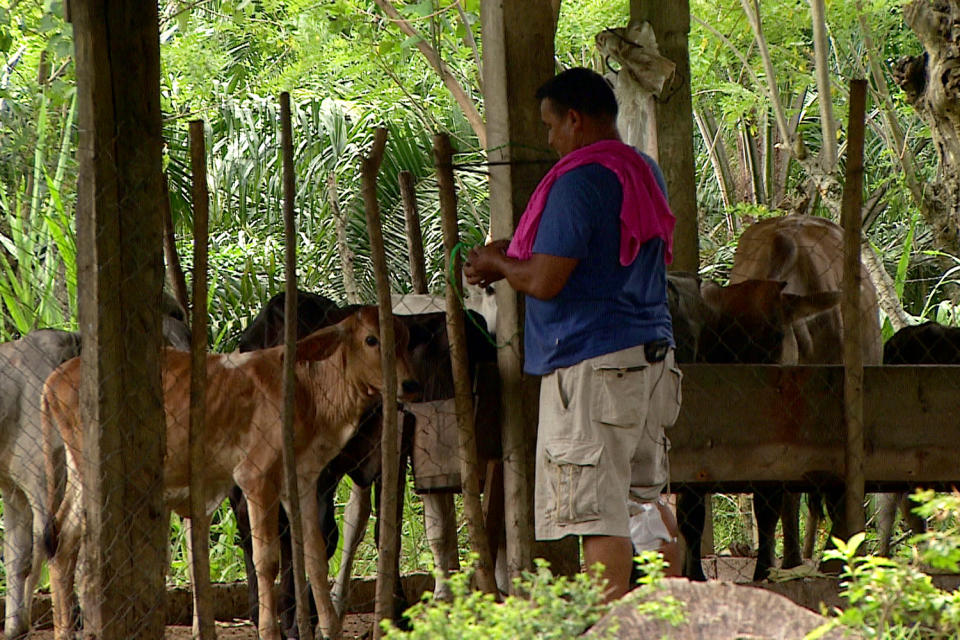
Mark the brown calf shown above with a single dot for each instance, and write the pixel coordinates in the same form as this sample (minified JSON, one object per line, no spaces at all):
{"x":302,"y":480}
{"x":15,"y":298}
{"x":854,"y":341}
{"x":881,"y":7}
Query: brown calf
{"x":338,"y":376}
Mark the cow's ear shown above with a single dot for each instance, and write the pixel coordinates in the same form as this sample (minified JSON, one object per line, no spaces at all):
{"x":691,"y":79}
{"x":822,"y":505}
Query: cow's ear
{"x":321,"y":344}
{"x":798,"y":307}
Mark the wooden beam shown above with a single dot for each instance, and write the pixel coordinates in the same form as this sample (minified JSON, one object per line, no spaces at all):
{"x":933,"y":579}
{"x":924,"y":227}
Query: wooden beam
{"x":850,"y":308}
{"x":745,"y":424}
{"x":120,"y":278}
{"x":518,"y":58}
{"x":671,"y":24}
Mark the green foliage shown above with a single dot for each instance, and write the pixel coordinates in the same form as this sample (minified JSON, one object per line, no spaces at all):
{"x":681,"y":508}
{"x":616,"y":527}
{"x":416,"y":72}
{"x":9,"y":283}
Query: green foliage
{"x":894,"y":598}
{"x":226,"y":561}
{"x":38,"y":278}
{"x":548,"y":607}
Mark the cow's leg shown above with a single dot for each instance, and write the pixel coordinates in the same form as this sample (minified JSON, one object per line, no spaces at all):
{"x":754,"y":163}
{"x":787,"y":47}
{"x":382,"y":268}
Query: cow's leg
{"x":886,"y":518}
{"x":814,"y":518}
{"x":315,"y":558}
{"x":790,"y":517}
{"x":18,"y":561}
{"x":916,"y":523}
{"x":199,"y":572}
{"x":691,"y":518}
{"x":328,"y":527}
{"x":835,"y":501}
{"x":355,"y":518}
{"x":440,"y":523}
{"x":239,"y":505}
{"x":263,"y":503}
{"x":287,"y":597}
{"x":63,"y":542}
{"x":767,"y":503}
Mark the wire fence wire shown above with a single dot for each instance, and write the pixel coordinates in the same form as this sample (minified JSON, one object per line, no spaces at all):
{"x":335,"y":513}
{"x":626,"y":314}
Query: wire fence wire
{"x":780,"y":308}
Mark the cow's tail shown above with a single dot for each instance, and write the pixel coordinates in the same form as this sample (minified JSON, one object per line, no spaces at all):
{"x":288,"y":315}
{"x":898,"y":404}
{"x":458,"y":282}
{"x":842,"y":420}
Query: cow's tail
{"x":54,"y":454}
{"x":50,"y":528}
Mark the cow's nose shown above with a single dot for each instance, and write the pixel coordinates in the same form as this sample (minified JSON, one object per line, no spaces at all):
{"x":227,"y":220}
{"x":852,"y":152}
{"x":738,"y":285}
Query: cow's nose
{"x":410,"y":390}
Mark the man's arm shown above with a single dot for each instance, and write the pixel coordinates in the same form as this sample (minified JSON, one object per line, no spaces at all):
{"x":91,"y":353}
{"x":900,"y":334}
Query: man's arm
{"x":542,"y":276}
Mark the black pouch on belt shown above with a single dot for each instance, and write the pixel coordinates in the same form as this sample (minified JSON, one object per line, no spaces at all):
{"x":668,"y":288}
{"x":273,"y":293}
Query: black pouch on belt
{"x":656,"y":351}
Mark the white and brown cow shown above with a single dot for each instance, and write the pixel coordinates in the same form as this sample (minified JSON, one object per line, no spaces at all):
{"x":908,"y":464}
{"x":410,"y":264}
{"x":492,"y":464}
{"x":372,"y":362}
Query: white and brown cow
{"x":781,"y":307}
{"x":338,"y":376}
{"x":24,"y":365}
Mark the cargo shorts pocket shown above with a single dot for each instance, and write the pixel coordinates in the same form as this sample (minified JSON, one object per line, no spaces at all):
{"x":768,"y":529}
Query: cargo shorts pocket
{"x":668,"y":395}
{"x":574,"y":477}
{"x":618,"y":395}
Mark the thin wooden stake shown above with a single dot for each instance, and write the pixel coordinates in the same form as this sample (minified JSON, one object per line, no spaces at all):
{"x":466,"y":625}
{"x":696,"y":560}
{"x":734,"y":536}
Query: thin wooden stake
{"x":852,"y":334}
{"x":463,"y":398}
{"x":390,"y":461}
{"x":174,"y":270}
{"x":418,"y":269}
{"x":289,"y":361}
{"x":199,"y":525}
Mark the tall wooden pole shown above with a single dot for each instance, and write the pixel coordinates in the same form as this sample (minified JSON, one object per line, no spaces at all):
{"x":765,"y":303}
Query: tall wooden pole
{"x":463,"y":396}
{"x":852,"y":338}
{"x":418,"y":268}
{"x":518,"y":58}
{"x":671,"y":25}
{"x":174,"y":271}
{"x":120,"y":280}
{"x":389,"y":534}
{"x":289,"y":362}
{"x":199,"y":527}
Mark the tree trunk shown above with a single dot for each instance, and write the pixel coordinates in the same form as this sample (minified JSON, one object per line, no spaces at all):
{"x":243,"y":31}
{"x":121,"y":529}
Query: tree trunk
{"x":718,"y":156}
{"x":671,"y":25}
{"x":120,"y":280}
{"x":931,"y":83}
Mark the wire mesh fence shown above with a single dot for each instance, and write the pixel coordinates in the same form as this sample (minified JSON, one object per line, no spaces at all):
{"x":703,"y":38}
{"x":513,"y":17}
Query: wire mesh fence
{"x":743,"y":428}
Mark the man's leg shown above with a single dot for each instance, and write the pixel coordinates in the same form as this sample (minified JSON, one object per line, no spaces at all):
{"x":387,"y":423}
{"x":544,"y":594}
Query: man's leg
{"x":616,"y":555}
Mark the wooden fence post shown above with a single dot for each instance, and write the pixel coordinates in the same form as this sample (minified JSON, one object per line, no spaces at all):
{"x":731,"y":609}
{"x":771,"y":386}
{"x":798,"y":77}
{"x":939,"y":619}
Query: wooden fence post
{"x":199,"y":525}
{"x":119,"y":276}
{"x":389,"y":534}
{"x":852,"y":347}
{"x":289,"y":361}
{"x":418,"y":269}
{"x":457,"y":337}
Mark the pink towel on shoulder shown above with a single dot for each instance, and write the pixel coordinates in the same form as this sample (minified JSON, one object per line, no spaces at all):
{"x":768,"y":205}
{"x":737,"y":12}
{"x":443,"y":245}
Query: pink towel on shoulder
{"x":644,"y":213}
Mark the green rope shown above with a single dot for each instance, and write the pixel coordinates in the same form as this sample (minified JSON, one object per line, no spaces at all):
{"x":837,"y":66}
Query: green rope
{"x":461,"y":249}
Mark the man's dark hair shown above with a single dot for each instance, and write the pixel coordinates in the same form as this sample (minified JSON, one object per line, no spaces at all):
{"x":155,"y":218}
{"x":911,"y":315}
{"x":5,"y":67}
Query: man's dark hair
{"x":581,"y":89}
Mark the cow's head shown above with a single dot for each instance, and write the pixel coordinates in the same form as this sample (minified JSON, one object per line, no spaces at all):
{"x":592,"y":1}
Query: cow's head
{"x":753,"y":321}
{"x":355,"y":341}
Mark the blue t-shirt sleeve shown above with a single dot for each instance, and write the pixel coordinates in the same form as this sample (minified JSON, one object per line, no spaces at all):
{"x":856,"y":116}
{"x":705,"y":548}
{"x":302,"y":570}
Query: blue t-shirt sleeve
{"x":657,"y":173}
{"x":569,"y":218}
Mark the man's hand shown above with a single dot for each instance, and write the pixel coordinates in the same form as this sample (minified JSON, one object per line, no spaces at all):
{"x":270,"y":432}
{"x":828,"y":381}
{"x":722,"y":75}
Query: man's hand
{"x":484,"y":264}
{"x":542,"y":276}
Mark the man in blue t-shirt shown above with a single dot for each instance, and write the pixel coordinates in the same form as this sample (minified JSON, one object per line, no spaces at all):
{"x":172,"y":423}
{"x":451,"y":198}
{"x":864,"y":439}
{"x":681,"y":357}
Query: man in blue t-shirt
{"x":590,"y":254}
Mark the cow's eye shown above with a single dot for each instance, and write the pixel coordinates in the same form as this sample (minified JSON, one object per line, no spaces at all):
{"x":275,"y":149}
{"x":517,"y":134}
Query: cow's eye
{"x":372,"y":341}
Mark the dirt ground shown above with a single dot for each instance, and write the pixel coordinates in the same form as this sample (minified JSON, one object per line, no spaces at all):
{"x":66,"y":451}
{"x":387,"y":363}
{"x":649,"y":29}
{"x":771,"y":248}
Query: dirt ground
{"x":354,"y":626}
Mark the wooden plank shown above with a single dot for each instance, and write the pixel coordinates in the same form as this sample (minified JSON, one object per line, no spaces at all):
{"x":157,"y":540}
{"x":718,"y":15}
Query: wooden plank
{"x":745,"y":424}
